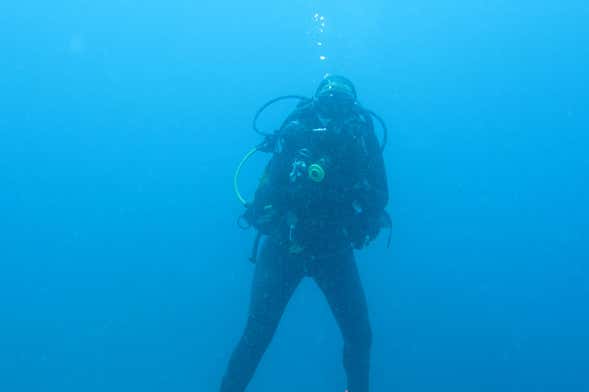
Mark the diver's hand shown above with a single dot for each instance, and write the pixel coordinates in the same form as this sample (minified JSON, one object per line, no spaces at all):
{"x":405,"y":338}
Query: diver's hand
{"x":365,"y":228}
{"x":262,"y":218}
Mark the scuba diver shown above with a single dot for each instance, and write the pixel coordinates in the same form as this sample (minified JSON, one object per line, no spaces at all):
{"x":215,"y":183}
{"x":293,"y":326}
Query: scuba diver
{"x":322,"y":196}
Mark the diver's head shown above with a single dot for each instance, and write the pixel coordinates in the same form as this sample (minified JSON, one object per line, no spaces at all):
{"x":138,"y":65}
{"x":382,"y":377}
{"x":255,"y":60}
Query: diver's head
{"x":335,"y":96}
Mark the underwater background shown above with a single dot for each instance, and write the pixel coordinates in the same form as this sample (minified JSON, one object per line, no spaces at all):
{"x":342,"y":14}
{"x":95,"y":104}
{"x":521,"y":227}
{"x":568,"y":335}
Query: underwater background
{"x":121,"y":124}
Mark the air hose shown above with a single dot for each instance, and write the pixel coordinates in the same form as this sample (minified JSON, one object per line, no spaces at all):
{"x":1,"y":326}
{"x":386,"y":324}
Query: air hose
{"x":238,"y":172}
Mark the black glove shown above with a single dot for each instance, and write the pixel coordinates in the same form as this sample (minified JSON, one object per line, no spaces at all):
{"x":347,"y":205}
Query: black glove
{"x":364,"y":228}
{"x":262,"y":219}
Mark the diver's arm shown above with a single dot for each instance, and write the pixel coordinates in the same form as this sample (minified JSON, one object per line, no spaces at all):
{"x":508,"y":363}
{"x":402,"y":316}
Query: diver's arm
{"x":371,"y":194}
{"x":378,"y":189}
{"x":261,"y":211}
{"x":271,"y":197}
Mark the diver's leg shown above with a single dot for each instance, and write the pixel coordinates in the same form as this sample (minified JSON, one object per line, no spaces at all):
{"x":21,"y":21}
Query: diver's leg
{"x":275,"y":278}
{"x":339,"y":280}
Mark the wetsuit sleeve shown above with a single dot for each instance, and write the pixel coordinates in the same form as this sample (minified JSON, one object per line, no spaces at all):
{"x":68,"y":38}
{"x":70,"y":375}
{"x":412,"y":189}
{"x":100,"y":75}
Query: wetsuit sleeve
{"x":377,"y":192}
{"x":271,"y":197}
{"x":264,"y":210}
{"x":372,"y":192}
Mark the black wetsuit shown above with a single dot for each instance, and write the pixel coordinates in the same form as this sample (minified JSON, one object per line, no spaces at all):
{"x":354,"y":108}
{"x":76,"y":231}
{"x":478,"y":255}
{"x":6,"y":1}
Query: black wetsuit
{"x":327,"y":228}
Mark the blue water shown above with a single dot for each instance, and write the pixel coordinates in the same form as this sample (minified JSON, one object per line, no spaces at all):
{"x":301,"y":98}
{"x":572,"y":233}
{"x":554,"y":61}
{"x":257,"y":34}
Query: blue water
{"x":121,"y":122}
